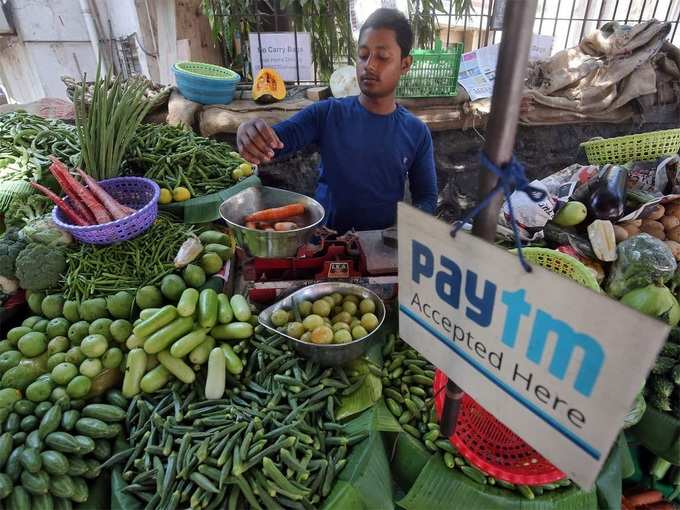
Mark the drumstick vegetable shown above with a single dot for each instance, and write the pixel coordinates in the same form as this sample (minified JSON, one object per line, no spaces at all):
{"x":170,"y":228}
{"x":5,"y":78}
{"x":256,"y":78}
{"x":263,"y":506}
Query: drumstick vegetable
{"x":277,"y":213}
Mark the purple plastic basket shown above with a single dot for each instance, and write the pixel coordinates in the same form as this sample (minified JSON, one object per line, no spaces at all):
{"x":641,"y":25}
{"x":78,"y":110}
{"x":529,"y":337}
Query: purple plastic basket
{"x":136,"y":192}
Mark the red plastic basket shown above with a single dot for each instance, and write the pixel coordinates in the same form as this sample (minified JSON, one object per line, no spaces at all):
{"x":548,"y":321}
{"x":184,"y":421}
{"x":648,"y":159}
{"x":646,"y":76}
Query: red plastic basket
{"x":491,"y":446}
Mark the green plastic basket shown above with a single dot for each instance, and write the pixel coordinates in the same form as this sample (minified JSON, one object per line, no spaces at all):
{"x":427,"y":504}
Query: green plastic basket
{"x":563,"y":264}
{"x":434,"y":73}
{"x":640,"y":147}
{"x":207,"y":70}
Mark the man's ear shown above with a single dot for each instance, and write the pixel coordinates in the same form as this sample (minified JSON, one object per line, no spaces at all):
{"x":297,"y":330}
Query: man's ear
{"x":406,"y":64}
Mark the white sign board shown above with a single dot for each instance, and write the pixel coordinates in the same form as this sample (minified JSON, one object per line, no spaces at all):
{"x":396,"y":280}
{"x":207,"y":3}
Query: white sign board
{"x":557,"y":363}
{"x":278,"y":52}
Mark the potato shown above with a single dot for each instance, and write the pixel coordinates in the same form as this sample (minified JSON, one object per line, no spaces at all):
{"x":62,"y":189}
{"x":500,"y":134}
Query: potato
{"x":654,"y":228}
{"x":620,"y":233}
{"x":674,"y":235}
{"x":655,"y":213}
{"x":675,"y":248}
{"x":670,"y":222}
{"x":631,"y":228}
{"x":673,"y":209}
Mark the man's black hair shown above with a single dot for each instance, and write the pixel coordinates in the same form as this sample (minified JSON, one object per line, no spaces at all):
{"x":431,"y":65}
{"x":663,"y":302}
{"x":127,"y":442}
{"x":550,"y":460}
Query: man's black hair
{"x":391,"y":19}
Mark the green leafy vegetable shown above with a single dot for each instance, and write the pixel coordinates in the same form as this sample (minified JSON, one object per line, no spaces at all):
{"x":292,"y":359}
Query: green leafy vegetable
{"x":23,"y":210}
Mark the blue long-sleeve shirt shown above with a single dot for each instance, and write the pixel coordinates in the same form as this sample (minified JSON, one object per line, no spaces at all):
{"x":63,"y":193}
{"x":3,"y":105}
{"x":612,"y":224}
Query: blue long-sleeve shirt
{"x":365,"y":161}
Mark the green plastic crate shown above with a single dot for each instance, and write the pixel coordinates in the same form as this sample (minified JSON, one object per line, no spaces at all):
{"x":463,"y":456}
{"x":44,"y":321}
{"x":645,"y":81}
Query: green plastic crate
{"x":640,"y":147}
{"x":434,"y":73}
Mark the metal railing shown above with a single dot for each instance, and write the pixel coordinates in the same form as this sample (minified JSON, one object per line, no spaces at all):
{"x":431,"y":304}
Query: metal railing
{"x":566,"y":21}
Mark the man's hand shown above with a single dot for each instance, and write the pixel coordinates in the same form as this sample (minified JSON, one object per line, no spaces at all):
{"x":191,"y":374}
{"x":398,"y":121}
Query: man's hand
{"x":256,"y":141}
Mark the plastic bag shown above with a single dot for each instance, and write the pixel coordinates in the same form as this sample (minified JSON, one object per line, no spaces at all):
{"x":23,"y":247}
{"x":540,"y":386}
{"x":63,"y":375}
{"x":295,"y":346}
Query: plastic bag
{"x":667,"y":177}
{"x":636,"y":411}
{"x":641,"y":261}
{"x":531,"y":216}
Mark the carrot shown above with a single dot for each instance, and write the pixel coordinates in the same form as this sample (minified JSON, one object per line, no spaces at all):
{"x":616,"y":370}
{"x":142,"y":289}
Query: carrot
{"x":645,"y":498}
{"x":110,"y":203}
{"x":97,"y":209}
{"x":277,"y":213}
{"x":68,"y":211}
{"x":76,"y":203}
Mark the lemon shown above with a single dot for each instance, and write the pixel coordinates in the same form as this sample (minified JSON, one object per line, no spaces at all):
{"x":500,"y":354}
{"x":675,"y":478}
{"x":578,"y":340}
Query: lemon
{"x":237,"y":174}
{"x":181,"y":194}
{"x":246,"y":169}
{"x":165,"y":196}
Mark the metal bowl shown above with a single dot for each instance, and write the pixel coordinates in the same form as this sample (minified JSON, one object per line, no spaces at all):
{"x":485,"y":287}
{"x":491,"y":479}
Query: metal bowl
{"x":259,"y":243}
{"x":327,"y":354}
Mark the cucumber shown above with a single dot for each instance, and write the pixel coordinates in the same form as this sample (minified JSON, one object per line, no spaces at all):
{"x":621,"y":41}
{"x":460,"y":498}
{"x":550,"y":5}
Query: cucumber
{"x":62,"y":504}
{"x":176,"y":367}
{"x":240,"y":307}
{"x":29,"y":423}
{"x":188,"y":343}
{"x":62,"y":442}
{"x":81,"y":491}
{"x":33,"y":440}
{"x":69,"y":419}
{"x":225,"y":252}
{"x":6,"y":486}
{"x":161,"y":318}
{"x":12,"y":423}
{"x":216,"y":381}
{"x":214,"y":237}
{"x":232,"y":331}
{"x":93,"y":429}
{"x":233,"y":363}
{"x":30,"y":460}
{"x":42,"y":502}
{"x":116,"y":398}
{"x":155,"y":379}
{"x":104,"y":412}
{"x":13,"y":467}
{"x":86,"y":444}
{"x":162,"y":338}
{"x":20,"y":499}
{"x":50,"y":422}
{"x":35,"y":483}
{"x":55,"y":463}
{"x":134,"y":371}
{"x":62,"y":486}
{"x":187,"y":303}
{"x":207,"y":308}
{"x":224,"y":312}
{"x":200,"y":353}
{"x":6,"y":443}
{"x":24,"y":407}
{"x":102,"y":449}
{"x":76,"y":466}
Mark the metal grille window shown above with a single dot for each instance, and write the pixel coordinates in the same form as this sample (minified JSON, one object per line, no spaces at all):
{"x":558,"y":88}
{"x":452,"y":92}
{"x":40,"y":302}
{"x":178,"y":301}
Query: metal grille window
{"x":330,"y":24}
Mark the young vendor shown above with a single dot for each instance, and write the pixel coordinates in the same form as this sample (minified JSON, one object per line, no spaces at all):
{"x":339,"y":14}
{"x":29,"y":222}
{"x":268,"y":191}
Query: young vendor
{"x":369,"y":145}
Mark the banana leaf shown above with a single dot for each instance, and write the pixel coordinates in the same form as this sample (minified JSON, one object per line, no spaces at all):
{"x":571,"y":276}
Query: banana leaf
{"x":408,"y":459}
{"x":206,"y":209}
{"x":608,"y":483}
{"x":368,"y":485}
{"x":438,"y":486}
{"x":121,"y":500}
{"x":371,"y":389}
{"x":377,"y":418}
{"x":659,"y":432}
{"x":99,"y":490}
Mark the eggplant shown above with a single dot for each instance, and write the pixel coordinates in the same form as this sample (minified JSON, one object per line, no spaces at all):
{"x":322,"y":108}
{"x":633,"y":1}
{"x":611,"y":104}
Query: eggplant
{"x":608,"y":199}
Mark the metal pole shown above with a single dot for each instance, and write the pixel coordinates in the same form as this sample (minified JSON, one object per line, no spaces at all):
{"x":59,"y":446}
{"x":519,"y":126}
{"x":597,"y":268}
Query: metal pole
{"x":518,"y":23}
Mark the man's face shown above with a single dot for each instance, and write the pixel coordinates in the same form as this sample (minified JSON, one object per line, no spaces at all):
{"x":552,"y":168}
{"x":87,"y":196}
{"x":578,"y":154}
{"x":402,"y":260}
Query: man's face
{"x":379,"y":63}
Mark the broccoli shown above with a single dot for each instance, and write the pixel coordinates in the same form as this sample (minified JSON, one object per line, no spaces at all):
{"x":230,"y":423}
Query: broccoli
{"x":23,"y":210}
{"x":641,"y":261}
{"x":10,"y":247}
{"x":39,"y":267}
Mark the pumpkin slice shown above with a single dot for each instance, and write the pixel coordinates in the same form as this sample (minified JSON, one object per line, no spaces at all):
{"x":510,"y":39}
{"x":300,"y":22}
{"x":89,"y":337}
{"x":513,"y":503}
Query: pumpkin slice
{"x":268,"y":86}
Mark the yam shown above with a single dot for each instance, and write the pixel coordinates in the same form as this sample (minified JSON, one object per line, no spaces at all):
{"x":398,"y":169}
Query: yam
{"x":674,"y":234}
{"x":653,"y":228}
{"x":670,"y":222}
{"x":631,"y":228}
{"x":673,"y":210}
{"x":675,"y":248}
{"x":620,"y":233}
{"x":655,"y":213}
